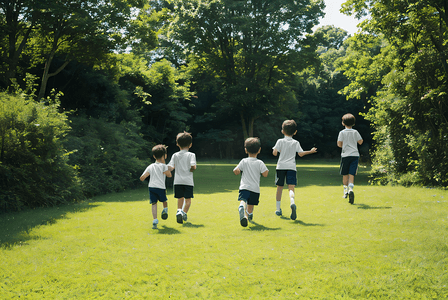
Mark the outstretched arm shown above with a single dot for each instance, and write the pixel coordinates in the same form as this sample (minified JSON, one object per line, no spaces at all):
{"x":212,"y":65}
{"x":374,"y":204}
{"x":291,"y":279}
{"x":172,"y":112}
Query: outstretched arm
{"x":313,"y":150}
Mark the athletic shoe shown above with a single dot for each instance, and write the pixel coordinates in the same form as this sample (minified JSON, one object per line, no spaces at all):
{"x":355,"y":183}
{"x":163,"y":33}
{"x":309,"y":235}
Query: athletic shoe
{"x":243,"y":219}
{"x":345,"y":195}
{"x":154,"y":224}
{"x":165,"y":213}
{"x":293,"y":212}
{"x":250,"y":217}
{"x":184,"y":216}
{"x":278,"y":212}
{"x":179,"y":217}
{"x":351,"y":197}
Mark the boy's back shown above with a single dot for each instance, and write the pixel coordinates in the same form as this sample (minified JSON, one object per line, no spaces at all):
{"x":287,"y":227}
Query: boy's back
{"x":157,"y":177}
{"x":288,"y":148}
{"x":349,"y":139}
{"x":182,"y":161}
{"x":251,"y":169}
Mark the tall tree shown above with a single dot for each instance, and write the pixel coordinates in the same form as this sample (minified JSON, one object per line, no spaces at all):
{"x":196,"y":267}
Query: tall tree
{"x":248,"y":49}
{"x":410,"y":108}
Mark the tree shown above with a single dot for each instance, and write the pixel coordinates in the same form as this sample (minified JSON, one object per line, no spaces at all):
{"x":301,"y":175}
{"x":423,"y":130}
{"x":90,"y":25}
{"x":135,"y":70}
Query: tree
{"x":248,"y":49}
{"x":82,"y":30}
{"x":410,"y":110}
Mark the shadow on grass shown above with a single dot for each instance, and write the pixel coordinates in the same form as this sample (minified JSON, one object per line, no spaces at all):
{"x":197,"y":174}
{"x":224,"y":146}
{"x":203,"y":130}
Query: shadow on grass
{"x":365,"y":206}
{"x":168,"y":230}
{"x":191,"y":225}
{"x":16,"y":227}
{"x":259,"y":227}
{"x":307,"y":224}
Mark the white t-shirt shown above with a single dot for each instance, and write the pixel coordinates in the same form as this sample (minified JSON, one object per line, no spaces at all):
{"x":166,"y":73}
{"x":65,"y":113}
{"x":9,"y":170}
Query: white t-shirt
{"x":288,"y":147}
{"x":157,"y":178}
{"x":349,"y":139}
{"x":251,"y":169}
{"x":182,"y":161}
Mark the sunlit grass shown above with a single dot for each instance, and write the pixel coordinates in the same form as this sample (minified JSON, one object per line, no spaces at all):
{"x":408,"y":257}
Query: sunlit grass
{"x":391,"y":244}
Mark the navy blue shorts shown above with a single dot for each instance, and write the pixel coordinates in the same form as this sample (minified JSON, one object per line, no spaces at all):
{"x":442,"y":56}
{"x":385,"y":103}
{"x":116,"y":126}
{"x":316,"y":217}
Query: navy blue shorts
{"x":289,"y":175}
{"x":349,"y":165}
{"x":183,"y":191}
{"x":156,"y":194}
{"x":251,"y":198}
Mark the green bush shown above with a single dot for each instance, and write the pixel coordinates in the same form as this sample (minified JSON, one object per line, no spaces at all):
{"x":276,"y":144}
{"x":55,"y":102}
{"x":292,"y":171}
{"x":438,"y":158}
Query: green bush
{"x":109,"y":157}
{"x":33,"y":164}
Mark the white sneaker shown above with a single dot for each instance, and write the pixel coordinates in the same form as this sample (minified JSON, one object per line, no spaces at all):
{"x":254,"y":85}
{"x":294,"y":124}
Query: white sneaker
{"x":154,"y":224}
{"x":243,"y":219}
{"x":165,"y":213}
{"x":179,"y":217}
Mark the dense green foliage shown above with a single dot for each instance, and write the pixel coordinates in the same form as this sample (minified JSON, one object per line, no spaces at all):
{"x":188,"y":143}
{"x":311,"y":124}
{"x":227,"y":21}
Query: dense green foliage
{"x":33,"y":163}
{"x":400,"y":64}
{"x":135,"y":73}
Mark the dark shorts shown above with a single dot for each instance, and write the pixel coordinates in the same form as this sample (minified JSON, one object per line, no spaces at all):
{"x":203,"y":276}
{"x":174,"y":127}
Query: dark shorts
{"x":249,"y":197}
{"x":183,"y":191}
{"x":289,"y":175}
{"x":156,"y":194}
{"x":349,"y":165}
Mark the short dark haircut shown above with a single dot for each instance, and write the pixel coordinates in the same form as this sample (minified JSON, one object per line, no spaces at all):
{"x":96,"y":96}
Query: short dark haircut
{"x":159,"y":151}
{"x":252,"y":145}
{"x":289,"y":127}
{"x":184,"y":139}
{"x":348,"y":119}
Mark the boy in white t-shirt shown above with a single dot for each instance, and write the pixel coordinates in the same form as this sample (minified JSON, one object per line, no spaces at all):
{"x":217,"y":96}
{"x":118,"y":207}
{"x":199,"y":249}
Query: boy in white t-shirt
{"x":348,"y":140}
{"x":286,"y":165}
{"x":158,"y":172}
{"x":184,"y":162}
{"x":250,"y":169}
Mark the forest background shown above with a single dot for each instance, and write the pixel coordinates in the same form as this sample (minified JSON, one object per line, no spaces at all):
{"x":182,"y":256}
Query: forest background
{"x":88,"y":87}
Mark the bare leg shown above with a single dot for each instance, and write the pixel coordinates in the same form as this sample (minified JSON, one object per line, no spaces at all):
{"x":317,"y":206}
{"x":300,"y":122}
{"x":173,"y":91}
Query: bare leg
{"x":154,"y":210}
{"x":187,"y":205}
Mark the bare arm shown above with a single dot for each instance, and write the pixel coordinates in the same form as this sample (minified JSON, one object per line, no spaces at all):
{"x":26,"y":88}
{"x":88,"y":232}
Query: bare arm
{"x":275,"y":152}
{"x":265,"y":173}
{"x":313,"y":150}
{"x":340,"y":144}
{"x":144,"y":176}
{"x":193,"y":168}
{"x":170,"y":168}
{"x":237,"y":171}
{"x":360,"y":142}
{"x":168,"y":173}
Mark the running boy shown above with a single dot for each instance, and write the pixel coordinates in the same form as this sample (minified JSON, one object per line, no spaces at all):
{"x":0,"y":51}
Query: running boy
{"x":348,"y":140}
{"x":286,"y":165}
{"x":250,"y":169}
{"x":157,"y":190}
{"x":184,"y":162}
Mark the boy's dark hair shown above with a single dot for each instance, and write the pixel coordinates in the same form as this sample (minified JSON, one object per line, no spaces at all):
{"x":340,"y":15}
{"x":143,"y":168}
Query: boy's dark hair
{"x":348,"y":119}
{"x":252,"y":145}
{"x":184,"y":139}
{"x":159,"y":151}
{"x":289,"y":127}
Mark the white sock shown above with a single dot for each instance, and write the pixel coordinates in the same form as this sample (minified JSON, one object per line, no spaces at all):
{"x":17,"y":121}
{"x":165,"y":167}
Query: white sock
{"x":345,"y":189}
{"x":278,"y":205}
{"x":291,"y":197}
{"x":351,"y":186}
{"x":156,"y":221}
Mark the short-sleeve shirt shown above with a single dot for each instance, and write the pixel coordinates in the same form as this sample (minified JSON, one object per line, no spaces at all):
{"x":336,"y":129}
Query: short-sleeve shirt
{"x":182,"y":161}
{"x":251,"y":169}
{"x":349,"y":139}
{"x":288,"y":147}
{"x":157,"y":178}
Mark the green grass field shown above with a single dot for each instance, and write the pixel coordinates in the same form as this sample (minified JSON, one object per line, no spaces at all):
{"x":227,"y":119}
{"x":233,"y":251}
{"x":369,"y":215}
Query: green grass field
{"x":391,"y":244}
